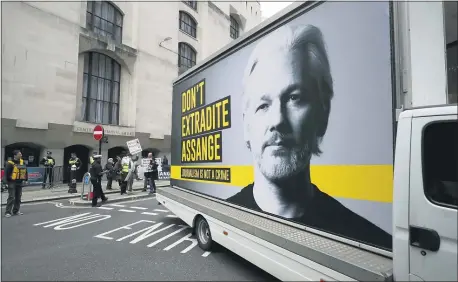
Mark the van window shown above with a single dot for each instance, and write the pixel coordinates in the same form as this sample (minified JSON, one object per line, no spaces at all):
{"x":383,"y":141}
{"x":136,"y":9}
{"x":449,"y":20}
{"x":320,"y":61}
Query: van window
{"x":440,"y":163}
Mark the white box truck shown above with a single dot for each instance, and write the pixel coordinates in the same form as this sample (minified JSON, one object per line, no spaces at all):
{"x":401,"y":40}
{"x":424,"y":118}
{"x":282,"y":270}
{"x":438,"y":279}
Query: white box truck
{"x":323,"y":144}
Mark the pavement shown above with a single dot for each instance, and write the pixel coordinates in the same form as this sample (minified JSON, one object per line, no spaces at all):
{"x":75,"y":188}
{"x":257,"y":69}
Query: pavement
{"x":36,"y":194}
{"x":133,"y":241}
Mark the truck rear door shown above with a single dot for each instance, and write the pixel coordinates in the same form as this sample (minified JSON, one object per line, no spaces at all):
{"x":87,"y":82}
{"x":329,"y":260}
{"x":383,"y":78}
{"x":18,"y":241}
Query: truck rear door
{"x":433,"y":217}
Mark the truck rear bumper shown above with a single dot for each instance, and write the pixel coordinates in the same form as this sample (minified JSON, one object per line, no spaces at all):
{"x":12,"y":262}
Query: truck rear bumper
{"x":286,"y":252}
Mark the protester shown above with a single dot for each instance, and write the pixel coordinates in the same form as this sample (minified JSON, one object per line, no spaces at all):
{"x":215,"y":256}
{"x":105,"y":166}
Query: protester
{"x":111,"y":173}
{"x":126,"y":174}
{"x":117,"y":171}
{"x":151,"y":174}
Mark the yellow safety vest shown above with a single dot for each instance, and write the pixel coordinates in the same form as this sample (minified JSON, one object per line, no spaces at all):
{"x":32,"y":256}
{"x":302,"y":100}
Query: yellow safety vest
{"x":72,"y":162}
{"x":91,"y":160}
{"x":19,"y":171}
{"x":49,"y":161}
{"x":125,"y":168}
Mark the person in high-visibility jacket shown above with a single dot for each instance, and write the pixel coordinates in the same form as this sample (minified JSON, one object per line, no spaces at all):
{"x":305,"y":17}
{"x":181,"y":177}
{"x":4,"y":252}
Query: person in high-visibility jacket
{"x":73,"y":161}
{"x":126,"y":172}
{"x":91,"y":158}
{"x":15,"y":175}
{"x":49,"y":162}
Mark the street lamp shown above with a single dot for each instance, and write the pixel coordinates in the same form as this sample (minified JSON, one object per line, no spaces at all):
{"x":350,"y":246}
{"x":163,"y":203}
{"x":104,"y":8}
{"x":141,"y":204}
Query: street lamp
{"x":165,"y":39}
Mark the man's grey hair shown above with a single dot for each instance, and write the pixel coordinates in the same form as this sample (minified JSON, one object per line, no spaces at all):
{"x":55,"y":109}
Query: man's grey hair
{"x":307,"y":44}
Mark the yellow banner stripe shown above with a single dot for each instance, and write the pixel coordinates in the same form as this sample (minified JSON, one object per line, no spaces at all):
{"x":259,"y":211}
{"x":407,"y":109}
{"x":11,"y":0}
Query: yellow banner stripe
{"x":359,"y":182}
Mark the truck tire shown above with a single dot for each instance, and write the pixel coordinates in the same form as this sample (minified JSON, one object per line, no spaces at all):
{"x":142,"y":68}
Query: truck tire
{"x":203,"y":235}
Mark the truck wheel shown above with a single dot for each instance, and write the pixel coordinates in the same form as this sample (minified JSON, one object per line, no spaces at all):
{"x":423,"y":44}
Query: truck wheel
{"x":203,"y":235}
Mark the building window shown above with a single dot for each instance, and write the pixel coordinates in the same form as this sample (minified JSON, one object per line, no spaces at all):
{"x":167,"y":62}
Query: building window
{"x":101,"y":81}
{"x":440,"y":148}
{"x":234,"y":30}
{"x":186,"y":57}
{"x":192,"y":4}
{"x":188,"y":24}
{"x":104,"y":19}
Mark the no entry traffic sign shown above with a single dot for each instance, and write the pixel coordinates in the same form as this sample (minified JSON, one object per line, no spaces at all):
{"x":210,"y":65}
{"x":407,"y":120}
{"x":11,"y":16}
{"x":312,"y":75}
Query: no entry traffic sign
{"x":98,"y":132}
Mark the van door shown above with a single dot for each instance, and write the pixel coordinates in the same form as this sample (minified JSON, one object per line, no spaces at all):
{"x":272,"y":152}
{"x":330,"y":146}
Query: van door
{"x":433,"y":216}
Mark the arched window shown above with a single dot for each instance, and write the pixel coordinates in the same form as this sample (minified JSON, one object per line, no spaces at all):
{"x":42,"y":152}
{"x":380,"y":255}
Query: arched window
{"x":234,"y":30}
{"x":104,"y":19}
{"x":186,"y":57}
{"x":101,"y":82}
{"x":188,"y":24}
{"x":192,"y":4}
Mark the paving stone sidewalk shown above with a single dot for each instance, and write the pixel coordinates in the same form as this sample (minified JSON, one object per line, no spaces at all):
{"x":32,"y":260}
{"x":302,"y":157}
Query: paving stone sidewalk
{"x":36,"y":194}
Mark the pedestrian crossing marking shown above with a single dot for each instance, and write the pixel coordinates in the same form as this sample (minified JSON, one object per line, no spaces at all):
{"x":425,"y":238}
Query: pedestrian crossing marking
{"x":123,"y":210}
{"x":149,"y":213}
{"x":116,"y":205}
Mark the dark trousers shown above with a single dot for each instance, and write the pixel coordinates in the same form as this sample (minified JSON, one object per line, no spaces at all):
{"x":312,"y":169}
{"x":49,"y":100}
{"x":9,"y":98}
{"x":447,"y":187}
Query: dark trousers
{"x":109,"y":183}
{"x":48,"y":174}
{"x":14,"y":197}
{"x":71,"y":176}
{"x":152,"y":184}
{"x":123,"y":183}
{"x":98,"y":192}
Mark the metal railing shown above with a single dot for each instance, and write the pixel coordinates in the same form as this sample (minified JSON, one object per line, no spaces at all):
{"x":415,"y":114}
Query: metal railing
{"x":36,"y":175}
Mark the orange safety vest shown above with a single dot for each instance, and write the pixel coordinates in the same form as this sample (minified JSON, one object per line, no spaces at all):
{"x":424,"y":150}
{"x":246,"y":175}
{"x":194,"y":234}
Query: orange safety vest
{"x":19,"y":171}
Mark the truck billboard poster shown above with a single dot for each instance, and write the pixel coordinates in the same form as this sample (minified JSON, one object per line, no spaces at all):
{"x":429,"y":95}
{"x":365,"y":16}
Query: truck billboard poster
{"x":297,"y":124}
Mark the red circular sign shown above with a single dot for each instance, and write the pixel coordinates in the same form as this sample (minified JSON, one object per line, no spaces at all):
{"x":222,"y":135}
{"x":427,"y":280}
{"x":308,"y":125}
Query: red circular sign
{"x":98,"y":132}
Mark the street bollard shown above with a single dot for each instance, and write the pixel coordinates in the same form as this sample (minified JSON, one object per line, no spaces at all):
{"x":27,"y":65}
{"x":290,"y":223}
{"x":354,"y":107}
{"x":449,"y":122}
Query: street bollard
{"x":86,"y":182}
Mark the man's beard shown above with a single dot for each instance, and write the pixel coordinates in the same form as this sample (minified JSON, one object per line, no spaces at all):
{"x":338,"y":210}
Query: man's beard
{"x":284,"y":166}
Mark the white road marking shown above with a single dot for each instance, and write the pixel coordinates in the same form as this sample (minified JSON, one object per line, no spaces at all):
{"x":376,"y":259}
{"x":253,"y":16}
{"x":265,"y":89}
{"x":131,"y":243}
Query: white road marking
{"x":116,"y":205}
{"x":166,"y":237}
{"x":149,"y":233}
{"x":187,"y":237}
{"x":103,"y":235}
{"x":172,"y":216}
{"x":159,"y":210}
{"x":70,"y":220}
{"x":63,"y":220}
{"x":149,"y":213}
{"x":123,"y":210}
{"x":206,"y":254}
{"x":105,"y":208}
{"x":62,"y":206}
{"x":138,"y":208}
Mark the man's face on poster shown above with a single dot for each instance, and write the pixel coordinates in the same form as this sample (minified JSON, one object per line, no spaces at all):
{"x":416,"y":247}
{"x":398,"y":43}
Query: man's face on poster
{"x":279,"y":119}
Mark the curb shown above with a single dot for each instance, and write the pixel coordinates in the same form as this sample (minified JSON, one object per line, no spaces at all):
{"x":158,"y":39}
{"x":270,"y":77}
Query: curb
{"x":76,"y":195}
{"x":128,"y":198}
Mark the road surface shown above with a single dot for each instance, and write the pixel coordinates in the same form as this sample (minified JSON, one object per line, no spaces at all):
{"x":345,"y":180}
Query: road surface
{"x":136,"y":240}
